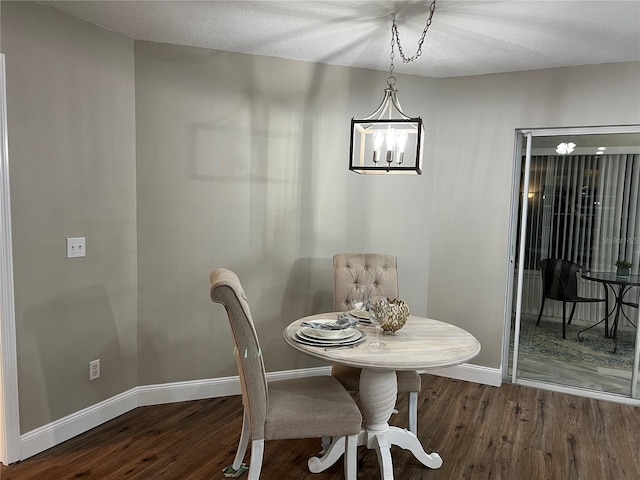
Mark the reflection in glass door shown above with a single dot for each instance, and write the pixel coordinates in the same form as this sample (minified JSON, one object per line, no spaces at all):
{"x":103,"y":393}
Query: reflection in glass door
{"x":575,"y":315}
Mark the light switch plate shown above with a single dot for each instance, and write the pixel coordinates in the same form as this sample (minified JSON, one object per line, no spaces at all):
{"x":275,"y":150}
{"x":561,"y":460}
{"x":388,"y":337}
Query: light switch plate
{"x":76,"y":247}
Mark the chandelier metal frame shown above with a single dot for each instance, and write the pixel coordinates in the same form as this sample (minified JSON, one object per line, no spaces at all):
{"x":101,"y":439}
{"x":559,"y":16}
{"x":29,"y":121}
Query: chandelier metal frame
{"x":382,"y":141}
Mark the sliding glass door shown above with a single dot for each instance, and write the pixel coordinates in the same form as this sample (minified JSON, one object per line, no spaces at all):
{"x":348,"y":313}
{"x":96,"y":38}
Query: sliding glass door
{"x":575,"y":316}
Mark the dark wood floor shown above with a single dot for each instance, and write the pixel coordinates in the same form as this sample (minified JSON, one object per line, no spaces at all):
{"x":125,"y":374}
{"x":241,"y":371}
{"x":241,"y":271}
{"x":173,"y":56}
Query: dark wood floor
{"x":481,"y":432}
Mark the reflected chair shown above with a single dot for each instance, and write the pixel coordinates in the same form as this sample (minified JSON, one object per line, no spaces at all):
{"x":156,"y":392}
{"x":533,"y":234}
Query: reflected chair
{"x":560,"y":283}
{"x":380,"y":274}
{"x":306,"y":407}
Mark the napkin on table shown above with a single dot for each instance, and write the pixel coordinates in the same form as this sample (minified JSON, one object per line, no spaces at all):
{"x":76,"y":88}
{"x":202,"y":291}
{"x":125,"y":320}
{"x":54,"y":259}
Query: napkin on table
{"x":343,"y":322}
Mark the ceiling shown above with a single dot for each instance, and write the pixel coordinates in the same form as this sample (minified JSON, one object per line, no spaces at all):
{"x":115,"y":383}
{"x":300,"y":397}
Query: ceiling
{"x":467,"y":37}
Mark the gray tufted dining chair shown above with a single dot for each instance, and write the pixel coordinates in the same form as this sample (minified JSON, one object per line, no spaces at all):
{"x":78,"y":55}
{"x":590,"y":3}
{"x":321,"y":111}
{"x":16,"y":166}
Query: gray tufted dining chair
{"x":305,"y":407}
{"x":379,"y":273}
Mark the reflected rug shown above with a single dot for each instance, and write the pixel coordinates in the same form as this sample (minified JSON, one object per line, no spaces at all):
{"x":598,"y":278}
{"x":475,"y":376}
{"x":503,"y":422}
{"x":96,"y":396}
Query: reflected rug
{"x":545,"y":340}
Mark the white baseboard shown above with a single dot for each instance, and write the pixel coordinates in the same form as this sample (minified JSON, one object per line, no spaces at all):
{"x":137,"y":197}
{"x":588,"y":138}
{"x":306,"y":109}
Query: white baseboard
{"x":185,"y":391}
{"x":211,"y":387}
{"x":470,"y":373}
{"x":54,"y":433}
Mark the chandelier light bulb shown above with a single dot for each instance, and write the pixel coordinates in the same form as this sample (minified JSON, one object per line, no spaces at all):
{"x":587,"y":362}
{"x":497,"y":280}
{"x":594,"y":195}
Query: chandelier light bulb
{"x":402,"y":143}
{"x":378,"y":139}
{"x":392,"y":136}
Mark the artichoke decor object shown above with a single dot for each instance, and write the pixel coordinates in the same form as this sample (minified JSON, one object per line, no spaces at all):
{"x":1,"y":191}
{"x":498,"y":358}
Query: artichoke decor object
{"x":396,"y":317}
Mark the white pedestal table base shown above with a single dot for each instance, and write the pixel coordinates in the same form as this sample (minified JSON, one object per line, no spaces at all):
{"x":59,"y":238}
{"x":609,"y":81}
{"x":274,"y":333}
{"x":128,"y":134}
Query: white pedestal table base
{"x":378,"y":395}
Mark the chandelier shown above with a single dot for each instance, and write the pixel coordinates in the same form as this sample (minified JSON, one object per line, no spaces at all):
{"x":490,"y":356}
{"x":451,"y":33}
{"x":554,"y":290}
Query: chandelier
{"x":388,"y":140}
{"x":565,"y":148}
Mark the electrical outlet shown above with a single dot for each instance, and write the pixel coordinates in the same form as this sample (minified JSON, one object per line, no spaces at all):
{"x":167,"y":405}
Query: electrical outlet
{"x":94,"y":369}
{"x":75,"y":247}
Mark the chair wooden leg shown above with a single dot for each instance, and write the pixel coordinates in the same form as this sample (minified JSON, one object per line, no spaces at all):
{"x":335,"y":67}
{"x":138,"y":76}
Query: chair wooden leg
{"x":257,"y":452}
{"x":564,"y":320}
{"x":413,"y":413}
{"x":351,"y":457}
{"x":541,"y":308}
{"x":244,"y":441}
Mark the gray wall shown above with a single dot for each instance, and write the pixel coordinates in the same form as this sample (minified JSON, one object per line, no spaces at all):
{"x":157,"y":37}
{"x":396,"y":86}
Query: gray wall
{"x":71,"y":134}
{"x":240,"y":161}
{"x":473,"y":173}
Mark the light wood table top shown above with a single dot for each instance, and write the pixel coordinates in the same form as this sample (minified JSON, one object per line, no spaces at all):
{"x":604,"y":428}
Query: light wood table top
{"x":423,"y":343}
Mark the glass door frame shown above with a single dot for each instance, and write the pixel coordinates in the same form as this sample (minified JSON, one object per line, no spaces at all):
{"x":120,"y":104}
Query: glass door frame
{"x":524,"y":137}
{"x":9,"y":414}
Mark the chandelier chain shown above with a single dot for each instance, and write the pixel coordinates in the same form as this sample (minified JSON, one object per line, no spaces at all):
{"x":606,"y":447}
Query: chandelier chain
{"x":395,"y":38}
{"x":391,"y":80}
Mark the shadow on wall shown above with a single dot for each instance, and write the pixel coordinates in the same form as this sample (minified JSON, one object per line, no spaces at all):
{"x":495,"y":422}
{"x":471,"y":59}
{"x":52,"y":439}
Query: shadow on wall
{"x":309,"y":289}
{"x":65,"y":335}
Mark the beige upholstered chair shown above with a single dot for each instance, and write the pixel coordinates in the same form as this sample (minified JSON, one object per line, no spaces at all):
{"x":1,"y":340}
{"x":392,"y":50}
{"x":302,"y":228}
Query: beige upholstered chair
{"x":380,"y":273}
{"x":306,"y":407}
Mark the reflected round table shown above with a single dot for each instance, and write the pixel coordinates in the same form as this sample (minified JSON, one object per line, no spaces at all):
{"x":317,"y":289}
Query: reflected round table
{"x":422,"y":344}
{"x":620,"y":286}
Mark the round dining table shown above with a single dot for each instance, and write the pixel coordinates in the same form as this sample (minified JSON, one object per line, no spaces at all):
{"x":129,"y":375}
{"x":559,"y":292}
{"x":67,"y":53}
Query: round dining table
{"x":422,"y":344}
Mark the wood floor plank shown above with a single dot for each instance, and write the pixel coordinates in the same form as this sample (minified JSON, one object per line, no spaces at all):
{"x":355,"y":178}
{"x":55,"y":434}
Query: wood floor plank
{"x":481,"y":432}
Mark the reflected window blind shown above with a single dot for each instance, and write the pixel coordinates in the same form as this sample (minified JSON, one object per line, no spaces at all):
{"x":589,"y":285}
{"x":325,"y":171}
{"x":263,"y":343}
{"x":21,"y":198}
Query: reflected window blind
{"x":582,"y":208}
